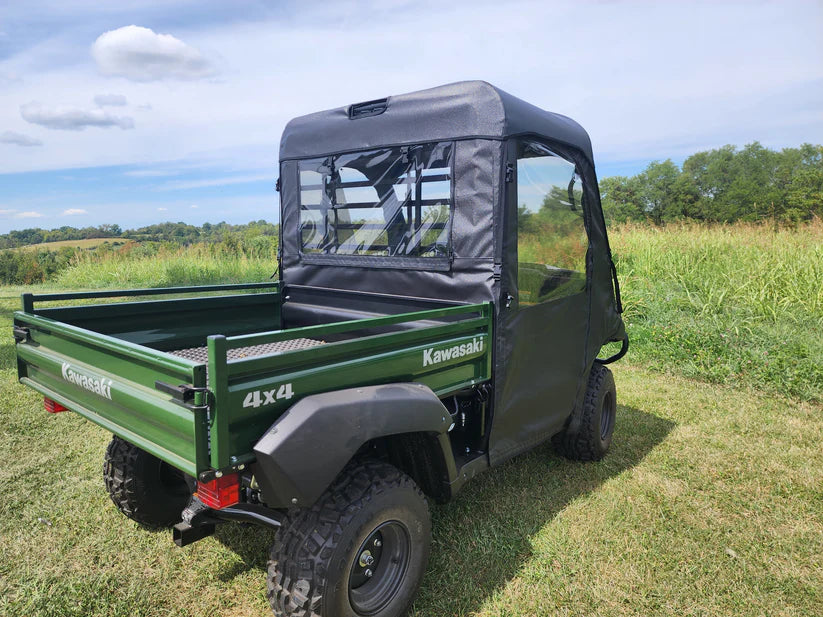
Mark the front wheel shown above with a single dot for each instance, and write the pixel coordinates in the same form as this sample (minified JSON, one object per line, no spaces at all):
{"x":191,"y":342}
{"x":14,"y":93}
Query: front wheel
{"x":361,"y":549}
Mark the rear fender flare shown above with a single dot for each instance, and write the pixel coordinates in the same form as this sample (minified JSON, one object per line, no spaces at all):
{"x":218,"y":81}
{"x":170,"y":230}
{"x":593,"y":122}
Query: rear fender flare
{"x":309,"y":445}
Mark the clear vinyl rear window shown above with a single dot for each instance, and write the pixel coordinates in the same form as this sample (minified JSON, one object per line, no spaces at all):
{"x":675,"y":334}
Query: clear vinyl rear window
{"x":390,"y":202}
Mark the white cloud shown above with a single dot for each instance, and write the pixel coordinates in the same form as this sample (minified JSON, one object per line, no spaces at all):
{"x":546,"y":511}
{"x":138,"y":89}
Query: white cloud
{"x":28,"y":215}
{"x":110,"y":100}
{"x":653,"y":80}
{"x":71,"y":118}
{"x":162,"y":209}
{"x":73,"y":211}
{"x":194,"y":206}
{"x":196,"y":184}
{"x":10,"y":79}
{"x":18,"y":139}
{"x":149,"y":173}
{"x":140,"y":54}
{"x":5,"y":212}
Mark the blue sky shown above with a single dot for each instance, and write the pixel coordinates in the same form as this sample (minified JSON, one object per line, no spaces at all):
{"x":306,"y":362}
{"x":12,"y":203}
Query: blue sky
{"x":141,"y":112}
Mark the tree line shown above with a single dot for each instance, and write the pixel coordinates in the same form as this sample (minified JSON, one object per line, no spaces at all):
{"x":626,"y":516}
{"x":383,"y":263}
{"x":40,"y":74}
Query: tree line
{"x":724,"y":185}
{"x":178,"y":233}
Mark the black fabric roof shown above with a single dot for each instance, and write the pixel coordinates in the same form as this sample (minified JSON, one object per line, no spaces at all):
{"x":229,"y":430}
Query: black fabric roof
{"x":464,"y":109}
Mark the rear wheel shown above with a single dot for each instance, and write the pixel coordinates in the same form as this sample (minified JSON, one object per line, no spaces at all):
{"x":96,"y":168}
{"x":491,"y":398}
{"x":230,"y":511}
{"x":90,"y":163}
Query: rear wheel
{"x":144,"y":488}
{"x":360,"y":550}
{"x":594,"y":436}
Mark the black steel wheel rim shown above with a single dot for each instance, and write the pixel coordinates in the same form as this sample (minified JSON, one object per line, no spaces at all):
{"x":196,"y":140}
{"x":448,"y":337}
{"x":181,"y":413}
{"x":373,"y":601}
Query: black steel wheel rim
{"x":379,"y":567}
{"x":607,"y":414}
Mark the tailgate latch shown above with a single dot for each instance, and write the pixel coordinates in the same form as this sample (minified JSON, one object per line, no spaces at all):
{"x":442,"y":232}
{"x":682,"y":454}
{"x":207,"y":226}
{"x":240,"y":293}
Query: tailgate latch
{"x":182,"y":394}
{"x":21,"y":334}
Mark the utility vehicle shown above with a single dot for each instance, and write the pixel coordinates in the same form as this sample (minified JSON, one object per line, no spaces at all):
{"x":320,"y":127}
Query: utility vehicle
{"x":446,"y":287}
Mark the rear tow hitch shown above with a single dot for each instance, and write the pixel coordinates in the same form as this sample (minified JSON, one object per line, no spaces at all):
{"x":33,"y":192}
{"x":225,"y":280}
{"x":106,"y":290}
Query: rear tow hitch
{"x":199,"y":521}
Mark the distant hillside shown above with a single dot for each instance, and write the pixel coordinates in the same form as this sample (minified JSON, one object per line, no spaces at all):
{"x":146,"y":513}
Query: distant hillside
{"x":39,"y":255}
{"x":177,"y":233}
{"x":88,"y":243}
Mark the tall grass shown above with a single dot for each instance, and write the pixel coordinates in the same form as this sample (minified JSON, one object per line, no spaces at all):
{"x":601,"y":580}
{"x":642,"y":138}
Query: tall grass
{"x":198,"y":264}
{"x":741,"y":302}
{"x":734,"y":303}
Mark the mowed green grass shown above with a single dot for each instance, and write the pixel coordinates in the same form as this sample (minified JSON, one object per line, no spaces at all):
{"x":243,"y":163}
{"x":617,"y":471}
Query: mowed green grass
{"x":709,"y":503}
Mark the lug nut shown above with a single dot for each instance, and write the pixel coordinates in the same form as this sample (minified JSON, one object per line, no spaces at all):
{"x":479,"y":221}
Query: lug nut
{"x":368,"y":573}
{"x":377,"y":542}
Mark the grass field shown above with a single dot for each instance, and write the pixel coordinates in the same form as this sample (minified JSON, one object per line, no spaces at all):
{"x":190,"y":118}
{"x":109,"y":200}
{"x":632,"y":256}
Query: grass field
{"x":710,"y":502}
{"x":735,"y":304}
{"x":195,"y":265}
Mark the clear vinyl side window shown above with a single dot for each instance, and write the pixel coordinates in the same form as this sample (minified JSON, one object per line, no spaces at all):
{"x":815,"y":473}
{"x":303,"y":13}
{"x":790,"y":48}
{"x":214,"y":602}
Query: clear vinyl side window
{"x":551,"y":233}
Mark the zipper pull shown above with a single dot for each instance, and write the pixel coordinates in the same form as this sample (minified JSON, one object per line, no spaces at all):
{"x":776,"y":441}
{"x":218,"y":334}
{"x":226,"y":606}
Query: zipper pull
{"x":509,"y":172}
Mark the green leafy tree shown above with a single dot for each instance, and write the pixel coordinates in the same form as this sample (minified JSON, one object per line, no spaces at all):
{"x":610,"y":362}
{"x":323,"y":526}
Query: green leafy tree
{"x":658,"y":189}
{"x":620,"y":197}
{"x":754,"y":183}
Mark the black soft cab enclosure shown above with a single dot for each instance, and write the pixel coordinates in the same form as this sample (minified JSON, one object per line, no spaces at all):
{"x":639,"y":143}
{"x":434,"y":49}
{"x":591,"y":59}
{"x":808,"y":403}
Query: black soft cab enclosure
{"x":462,"y":193}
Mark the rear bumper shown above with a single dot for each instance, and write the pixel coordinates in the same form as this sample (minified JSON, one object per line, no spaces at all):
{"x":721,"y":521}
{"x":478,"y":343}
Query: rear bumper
{"x":200,"y":521}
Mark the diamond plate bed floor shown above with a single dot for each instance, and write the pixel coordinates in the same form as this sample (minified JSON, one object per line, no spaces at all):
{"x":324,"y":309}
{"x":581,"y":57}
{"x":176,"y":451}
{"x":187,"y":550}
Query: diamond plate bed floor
{"x":201,"y":354}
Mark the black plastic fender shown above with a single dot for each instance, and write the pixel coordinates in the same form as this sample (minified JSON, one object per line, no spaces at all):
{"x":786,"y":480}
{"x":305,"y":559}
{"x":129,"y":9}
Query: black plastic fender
{"x":310,"y":444}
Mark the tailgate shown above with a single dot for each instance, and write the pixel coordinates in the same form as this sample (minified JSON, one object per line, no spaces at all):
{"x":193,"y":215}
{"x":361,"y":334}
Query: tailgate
{"x":112,"y":383}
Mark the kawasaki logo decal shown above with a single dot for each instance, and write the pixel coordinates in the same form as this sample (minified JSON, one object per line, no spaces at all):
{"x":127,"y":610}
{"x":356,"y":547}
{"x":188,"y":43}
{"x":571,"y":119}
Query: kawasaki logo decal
{"x":430,"y":356}
{"x":98,"y":385}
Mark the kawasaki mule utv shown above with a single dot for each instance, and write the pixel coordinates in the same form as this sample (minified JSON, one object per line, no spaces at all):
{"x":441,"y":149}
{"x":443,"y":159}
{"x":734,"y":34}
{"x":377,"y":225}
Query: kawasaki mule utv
{"x":446,"y":287}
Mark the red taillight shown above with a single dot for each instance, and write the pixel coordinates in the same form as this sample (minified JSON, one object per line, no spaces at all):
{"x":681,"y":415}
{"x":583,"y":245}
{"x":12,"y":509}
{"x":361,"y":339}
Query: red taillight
{"x":53,"y":406}
{"x":220,"y":492}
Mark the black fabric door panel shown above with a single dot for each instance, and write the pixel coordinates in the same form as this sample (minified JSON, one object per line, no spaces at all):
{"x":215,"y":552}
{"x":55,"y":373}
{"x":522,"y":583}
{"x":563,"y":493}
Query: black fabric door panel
{"x":544,"y":351}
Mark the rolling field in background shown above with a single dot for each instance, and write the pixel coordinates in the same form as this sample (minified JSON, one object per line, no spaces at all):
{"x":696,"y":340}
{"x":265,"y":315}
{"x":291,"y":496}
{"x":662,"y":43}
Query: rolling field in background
{"x":710,"y":502}
{"x":88,"y":243}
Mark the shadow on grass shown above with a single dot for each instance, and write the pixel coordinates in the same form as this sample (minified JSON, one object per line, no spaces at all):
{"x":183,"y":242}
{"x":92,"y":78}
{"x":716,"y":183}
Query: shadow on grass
{"x":481,"y":539}
{"x":251,"y":543}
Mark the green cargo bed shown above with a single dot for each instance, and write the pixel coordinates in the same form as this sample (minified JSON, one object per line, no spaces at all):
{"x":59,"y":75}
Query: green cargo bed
{"x":195,"y":382}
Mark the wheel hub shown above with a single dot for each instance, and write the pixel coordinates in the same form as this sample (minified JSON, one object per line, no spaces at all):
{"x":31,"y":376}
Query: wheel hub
{"x":607,"y":415}
{"x":368,"y":560}
{"x":379,"y":568}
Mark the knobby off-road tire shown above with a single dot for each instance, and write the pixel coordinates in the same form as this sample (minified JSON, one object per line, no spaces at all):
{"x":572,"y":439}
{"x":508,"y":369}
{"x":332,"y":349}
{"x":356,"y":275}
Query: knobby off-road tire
{"x":144,"y":488}
{"x":592,"y":440}
{"x":320,"y":556}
